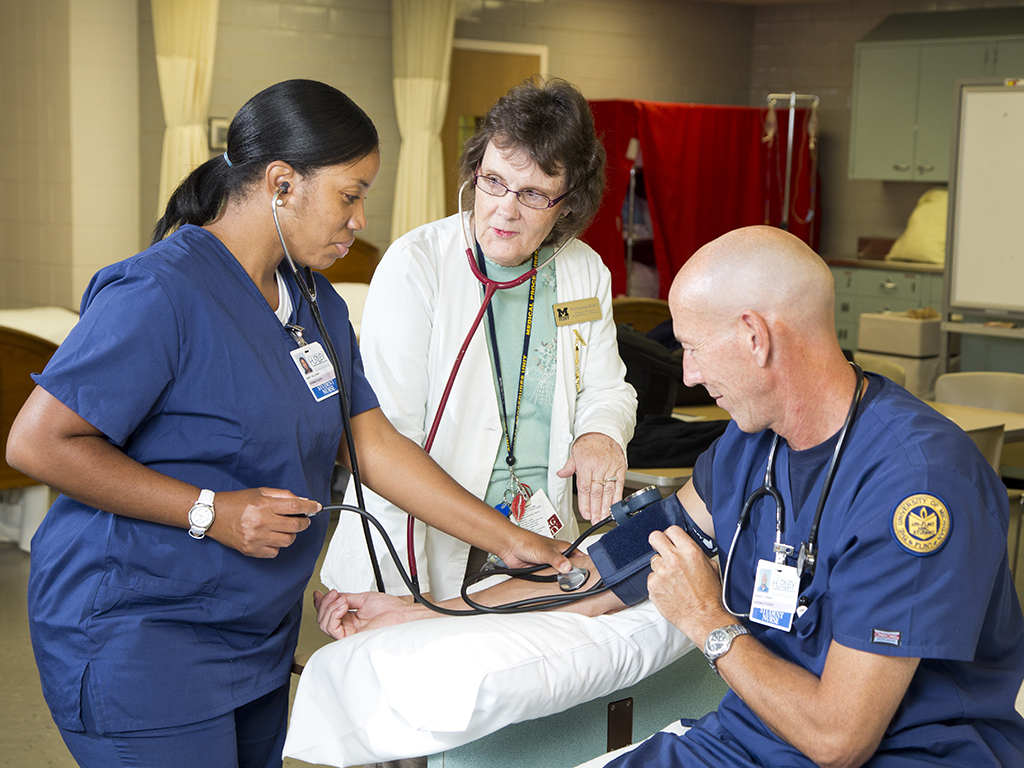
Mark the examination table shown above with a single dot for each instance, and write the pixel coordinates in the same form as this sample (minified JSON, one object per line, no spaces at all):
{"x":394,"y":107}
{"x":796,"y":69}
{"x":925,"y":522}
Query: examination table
{"x":538,"y":689}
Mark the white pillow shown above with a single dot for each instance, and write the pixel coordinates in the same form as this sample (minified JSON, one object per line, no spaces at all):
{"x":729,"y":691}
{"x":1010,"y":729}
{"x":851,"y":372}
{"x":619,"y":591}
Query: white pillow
{"x":432,"y":685}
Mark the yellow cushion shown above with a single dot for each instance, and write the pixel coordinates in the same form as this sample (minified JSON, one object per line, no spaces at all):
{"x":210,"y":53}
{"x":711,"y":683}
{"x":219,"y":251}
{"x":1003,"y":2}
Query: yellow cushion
{"x":925,"y":237}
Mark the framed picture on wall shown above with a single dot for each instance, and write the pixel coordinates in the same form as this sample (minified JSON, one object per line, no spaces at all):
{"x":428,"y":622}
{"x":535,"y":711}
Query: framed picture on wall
{"x":219,"y":133}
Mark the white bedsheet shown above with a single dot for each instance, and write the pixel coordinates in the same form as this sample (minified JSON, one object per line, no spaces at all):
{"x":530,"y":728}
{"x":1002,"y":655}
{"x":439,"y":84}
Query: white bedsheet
{"x":431,"y":685}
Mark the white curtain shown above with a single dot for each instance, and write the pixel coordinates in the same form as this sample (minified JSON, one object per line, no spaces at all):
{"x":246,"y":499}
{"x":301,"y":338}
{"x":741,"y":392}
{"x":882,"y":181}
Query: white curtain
{"x":186,"y":34}
{"x":421,"y":39}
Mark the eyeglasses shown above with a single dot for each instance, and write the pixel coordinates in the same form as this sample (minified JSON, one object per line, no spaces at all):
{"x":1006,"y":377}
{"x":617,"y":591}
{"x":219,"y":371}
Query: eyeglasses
{"x":527,"y":197}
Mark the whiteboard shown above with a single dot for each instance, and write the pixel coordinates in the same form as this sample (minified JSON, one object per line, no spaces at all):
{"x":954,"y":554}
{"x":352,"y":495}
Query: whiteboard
{"x":985,"y":231}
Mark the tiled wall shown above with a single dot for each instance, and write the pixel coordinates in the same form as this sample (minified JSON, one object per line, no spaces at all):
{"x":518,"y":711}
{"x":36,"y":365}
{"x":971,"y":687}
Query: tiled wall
{"x":661,"y":50}
{"x":346,"y":43}
{"x":104,"y":136}
{"x":70,"y":155}
{"x":35,"y":139}
{"x":70,"y":148}
{"x":809,"y":48}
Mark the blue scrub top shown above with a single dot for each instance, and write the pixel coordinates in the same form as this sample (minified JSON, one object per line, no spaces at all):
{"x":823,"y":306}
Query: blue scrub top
{"x":953,"y":605}
{"x":181,"y":362}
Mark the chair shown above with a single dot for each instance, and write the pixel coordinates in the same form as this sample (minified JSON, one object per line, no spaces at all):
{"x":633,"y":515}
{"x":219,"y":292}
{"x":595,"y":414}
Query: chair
{"x":999,"y":391}
{"x":877,"y":364}
{"x":357,"y":266}
{"x":641,"y":313}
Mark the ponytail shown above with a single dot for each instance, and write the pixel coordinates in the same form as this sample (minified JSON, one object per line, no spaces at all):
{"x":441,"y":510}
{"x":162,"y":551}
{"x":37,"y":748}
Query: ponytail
{"x":305,"y":123}
{"x":197,"y":200}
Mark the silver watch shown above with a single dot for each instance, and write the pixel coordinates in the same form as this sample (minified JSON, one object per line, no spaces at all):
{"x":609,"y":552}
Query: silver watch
{"x":201,"y":516}
{"x":719,"y":641}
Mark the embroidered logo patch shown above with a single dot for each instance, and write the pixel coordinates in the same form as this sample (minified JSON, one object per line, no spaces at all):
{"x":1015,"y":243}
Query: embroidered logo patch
{"x":886,"y":637}
{"x":921,"y":524}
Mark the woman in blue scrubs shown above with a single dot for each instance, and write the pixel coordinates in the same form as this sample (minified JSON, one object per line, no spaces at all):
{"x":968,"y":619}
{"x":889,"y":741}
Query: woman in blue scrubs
{"x":193,"y":450}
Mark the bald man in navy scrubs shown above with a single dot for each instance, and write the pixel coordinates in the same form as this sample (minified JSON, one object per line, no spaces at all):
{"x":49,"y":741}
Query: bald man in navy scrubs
{"x":904,"y":646}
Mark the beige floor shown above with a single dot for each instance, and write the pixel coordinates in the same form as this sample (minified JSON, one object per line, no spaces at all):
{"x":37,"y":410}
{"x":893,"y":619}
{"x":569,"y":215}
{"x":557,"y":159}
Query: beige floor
{"x":28,"y":737}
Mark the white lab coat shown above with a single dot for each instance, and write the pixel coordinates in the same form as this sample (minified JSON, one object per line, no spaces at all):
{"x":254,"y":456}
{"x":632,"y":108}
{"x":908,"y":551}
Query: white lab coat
{"x":422,"y":301}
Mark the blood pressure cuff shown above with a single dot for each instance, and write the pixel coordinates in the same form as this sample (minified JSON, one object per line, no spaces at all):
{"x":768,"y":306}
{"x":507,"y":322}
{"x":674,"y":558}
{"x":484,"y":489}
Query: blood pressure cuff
{"x":623,"y":555}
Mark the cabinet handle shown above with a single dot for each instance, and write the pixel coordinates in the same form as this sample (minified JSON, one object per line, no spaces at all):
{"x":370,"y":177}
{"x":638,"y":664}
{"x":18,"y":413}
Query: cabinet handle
{"x":888,"y":285}
{"x":925,"y":168}
{"x":901,"y":167}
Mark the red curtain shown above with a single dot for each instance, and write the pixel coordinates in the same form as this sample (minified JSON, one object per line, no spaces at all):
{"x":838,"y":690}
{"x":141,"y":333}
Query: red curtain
{"x":706,"y":171}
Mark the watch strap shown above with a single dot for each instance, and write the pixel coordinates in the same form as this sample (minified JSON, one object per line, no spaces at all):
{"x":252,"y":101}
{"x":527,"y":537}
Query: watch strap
{"x":205,"y":499}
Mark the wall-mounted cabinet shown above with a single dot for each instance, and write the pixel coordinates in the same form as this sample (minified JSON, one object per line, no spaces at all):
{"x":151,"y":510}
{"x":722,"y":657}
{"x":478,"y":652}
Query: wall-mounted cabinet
{"x":904,"y":94}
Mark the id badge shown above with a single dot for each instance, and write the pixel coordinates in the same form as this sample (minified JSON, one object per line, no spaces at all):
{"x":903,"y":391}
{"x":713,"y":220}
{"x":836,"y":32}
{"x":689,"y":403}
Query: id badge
{"x":316,"y":370}
{"x":776,"y":590}
{"x":540,"y":516}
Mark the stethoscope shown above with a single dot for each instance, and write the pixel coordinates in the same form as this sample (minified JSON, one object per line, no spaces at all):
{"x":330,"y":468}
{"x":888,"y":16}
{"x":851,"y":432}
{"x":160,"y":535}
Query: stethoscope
{"x":567,"y":582}
{"x":491,"y":286}
{"x":806,"y":554}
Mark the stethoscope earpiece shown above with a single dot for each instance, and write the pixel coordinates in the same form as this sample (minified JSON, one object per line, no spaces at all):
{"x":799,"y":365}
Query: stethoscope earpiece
{"x":281,"y":190}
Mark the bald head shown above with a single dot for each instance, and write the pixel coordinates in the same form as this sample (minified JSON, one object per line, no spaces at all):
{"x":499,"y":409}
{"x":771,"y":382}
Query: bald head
{"x":763,"y":269}
{"x":754,"y":311}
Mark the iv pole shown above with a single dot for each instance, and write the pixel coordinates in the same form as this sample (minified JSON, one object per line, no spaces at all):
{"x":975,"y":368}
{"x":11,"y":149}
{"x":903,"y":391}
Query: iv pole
{"x":773,"y":99}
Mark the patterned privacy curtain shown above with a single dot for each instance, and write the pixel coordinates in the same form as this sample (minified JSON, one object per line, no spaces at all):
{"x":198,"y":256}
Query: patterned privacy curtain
{"x":186,"y":34}
{"x":421,"y":35}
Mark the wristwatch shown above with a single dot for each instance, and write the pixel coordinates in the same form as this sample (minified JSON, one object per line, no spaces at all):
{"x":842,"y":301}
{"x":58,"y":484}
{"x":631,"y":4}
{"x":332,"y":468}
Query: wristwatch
{"x":719,"y":641}
{"x":201,"y":516}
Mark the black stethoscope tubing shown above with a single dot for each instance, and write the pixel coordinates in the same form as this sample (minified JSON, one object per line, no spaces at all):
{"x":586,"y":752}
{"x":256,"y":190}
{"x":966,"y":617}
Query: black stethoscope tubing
{"x":806,"y":555}
{"x":308,"y":292}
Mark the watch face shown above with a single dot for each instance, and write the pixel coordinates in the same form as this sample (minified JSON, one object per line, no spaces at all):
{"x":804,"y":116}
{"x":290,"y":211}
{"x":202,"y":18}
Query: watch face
{"x":200,"y":516}
{"x":716,"y":641}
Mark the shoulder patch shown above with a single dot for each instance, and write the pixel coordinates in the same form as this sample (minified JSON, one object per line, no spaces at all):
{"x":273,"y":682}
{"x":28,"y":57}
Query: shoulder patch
{"x":921,"y":524}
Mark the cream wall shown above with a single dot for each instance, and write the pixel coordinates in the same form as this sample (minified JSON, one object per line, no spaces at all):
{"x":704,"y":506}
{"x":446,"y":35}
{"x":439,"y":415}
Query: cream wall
{"x":83,"y":130}
{"x":71,"y":150}
{"x":35,"y":140}
{"x":104,"y":136}
{"x":346,"y":43}
{"x":661,"y":50}
{"x":651,"y":49}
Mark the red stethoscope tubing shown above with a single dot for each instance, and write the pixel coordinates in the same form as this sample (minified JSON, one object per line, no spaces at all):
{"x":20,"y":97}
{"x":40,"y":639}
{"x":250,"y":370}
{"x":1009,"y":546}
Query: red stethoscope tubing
{"x":490,"y":288}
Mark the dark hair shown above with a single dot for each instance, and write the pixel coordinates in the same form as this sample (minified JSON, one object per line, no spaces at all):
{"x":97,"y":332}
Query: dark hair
{"x":305,"y":123}
{"x":549,"y":120}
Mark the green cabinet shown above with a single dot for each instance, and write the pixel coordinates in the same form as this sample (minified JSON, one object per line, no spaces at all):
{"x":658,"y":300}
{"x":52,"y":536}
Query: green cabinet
{"x":880,"y":289}
{"x":904,"y":91}
{"x":904,"y":104}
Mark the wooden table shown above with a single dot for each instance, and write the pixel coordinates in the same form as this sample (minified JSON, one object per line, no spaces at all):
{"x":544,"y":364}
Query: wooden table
{"x":969,"y":418}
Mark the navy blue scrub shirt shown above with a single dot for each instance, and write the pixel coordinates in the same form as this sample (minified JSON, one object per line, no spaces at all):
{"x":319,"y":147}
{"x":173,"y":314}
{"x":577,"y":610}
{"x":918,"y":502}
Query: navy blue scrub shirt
{"x":181,"y":362}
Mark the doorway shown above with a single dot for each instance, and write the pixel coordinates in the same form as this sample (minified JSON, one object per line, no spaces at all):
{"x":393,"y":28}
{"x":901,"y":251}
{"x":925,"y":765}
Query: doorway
{"x":481,"y":72}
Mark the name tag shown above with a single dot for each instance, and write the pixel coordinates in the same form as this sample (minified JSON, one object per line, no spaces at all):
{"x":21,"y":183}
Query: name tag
{"x":579,"y":311}
{"x":316,"y":370}
{"x":776,"y":590}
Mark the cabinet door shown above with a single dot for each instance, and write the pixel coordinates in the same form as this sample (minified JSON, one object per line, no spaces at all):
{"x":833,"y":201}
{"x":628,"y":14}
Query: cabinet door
{"x":1008,"y":58}
{"x":884,"y":111}
{"x":941,"y":65}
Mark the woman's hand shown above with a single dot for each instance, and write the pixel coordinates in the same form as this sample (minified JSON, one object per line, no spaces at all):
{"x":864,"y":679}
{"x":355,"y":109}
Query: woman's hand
{"x":600,"y":468}
{"x":342,"y":614}
{"x":259,"y":522}
{"x":527,"y":549}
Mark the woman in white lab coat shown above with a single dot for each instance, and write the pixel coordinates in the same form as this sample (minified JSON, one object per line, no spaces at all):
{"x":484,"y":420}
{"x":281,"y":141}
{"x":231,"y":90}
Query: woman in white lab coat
{"x":534,"y":174}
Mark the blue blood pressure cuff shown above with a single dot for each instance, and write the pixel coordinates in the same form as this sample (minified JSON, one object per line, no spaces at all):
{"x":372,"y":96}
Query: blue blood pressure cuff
{"x":623,"y":555}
